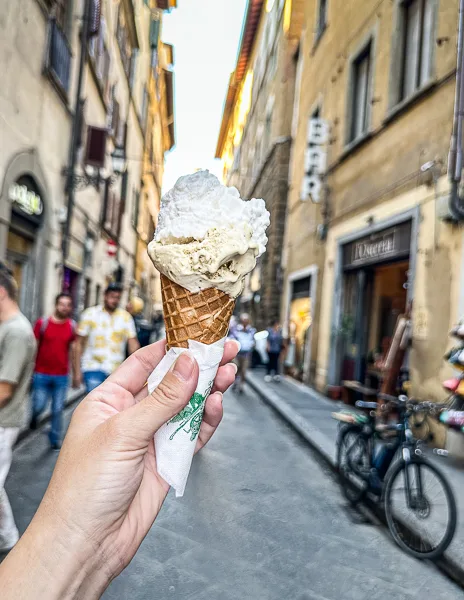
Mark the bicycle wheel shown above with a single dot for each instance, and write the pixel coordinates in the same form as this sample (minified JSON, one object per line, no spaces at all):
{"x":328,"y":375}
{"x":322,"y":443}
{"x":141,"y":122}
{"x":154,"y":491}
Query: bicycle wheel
{"x":420,"y":508}
{"x":353,"y":458}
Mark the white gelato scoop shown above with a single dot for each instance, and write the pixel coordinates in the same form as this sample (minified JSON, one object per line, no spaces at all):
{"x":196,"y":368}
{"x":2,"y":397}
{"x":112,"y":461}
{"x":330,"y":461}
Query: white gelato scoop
{"x":207,"y":236}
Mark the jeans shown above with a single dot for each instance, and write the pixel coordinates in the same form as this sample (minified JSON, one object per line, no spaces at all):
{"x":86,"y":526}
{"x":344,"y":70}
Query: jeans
{"x":273,"y":364}
{"x":93,"y":379}
{"x":54,"y":387}
{"x":8,"y":531}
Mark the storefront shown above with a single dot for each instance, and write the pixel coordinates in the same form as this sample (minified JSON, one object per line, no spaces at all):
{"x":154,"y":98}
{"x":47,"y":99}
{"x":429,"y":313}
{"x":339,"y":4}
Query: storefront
{"x":23,"y":215}
{"x":376,"y":274}
{"x":301,"y":289}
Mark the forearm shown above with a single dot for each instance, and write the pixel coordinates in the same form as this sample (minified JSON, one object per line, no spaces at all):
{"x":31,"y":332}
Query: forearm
{"x":133,"y":345}
{"x":59,"y":564}
{"x":6,"y":393}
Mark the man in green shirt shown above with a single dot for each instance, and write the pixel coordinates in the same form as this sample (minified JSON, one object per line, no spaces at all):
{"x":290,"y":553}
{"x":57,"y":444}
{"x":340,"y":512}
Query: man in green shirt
{"x":17,"y":354}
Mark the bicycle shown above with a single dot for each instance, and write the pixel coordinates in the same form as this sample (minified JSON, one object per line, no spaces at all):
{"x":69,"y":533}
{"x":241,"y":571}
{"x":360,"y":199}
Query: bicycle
{"x":397,"y":472}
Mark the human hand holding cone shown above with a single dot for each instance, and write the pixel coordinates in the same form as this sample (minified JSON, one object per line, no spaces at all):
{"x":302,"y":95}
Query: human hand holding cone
{"x":206,"y":241}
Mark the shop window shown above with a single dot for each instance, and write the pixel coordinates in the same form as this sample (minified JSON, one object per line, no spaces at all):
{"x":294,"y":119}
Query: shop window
{"x":360,"y":94}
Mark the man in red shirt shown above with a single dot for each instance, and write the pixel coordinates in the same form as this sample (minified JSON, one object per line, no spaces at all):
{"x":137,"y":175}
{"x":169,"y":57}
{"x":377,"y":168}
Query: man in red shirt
{"x":55,"y":341}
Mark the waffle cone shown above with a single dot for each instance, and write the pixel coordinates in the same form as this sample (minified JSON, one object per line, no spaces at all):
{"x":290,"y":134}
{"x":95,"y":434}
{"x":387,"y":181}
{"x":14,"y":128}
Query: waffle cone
{"x":202,"y":316}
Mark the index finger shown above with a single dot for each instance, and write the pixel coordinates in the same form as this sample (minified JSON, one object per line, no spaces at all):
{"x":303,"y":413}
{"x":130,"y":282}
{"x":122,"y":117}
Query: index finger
{"x":132,"y":375}
{"x":135,"y":370}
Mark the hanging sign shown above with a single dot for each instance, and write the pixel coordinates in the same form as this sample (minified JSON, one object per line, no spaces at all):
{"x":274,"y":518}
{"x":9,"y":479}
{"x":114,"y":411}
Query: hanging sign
{"x":26,"y":200}
{"x":315,"y":160}
{"x":111,"y":248}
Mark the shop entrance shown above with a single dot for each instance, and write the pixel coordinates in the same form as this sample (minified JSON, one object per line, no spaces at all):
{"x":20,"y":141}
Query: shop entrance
{"x":299,"y":325}
{"x":375,"y":293}
{"x":374,"y":298}
{"x":21,"y":250}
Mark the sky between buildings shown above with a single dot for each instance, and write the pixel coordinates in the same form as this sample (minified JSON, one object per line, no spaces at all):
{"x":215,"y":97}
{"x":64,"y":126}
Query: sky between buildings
{"x":205,"y":35}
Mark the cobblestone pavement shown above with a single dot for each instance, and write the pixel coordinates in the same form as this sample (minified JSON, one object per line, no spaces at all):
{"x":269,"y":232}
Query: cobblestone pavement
{"x":262,"y":519}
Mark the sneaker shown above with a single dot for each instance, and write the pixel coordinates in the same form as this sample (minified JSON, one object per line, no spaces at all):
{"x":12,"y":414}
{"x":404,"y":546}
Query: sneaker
{"x":6,"y":546}
{"x":267,"y":378}
{"x":277,"y":378}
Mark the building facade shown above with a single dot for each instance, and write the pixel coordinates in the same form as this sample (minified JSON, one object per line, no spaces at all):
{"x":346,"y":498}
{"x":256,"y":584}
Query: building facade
{"x":369,"y":230}
{"x":159,"y":140}
{"x":51,"y":245}
{"x":255,"y":136}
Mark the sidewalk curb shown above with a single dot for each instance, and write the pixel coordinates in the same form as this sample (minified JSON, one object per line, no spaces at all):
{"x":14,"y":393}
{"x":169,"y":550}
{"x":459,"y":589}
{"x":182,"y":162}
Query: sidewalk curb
{"x":73,"y":397}
{"x":446,"y":564}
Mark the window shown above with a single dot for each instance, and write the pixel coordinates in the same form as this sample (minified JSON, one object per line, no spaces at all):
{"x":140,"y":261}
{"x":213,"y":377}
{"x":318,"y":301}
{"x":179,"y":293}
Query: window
{"x":124,"y":44}
{"x":113,"y":211}
{"x":62,"y":14}
{"x":321,"y":18}
{"x":100,"y":57}
{"x":417,"y":43}
{"x":144,"y":109}
{"x":360,"y":89}
{"x":135,"y":208}
{"x":96,"y":147}
{"x":268,"y":126}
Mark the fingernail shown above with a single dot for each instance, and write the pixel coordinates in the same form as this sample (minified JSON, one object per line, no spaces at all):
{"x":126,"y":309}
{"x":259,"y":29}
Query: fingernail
{"x":183,"y":367}
{"x":221,"y":395}
{"x":239,"y":345}
{"x":235,"y":367}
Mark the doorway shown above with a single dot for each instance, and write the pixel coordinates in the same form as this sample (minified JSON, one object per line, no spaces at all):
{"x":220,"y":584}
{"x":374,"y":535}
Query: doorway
{"x":374,"y":297}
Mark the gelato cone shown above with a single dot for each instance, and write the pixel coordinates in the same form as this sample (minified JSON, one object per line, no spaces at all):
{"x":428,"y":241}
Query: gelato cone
{"x":203,"y":316}
{"x":206,"y":242}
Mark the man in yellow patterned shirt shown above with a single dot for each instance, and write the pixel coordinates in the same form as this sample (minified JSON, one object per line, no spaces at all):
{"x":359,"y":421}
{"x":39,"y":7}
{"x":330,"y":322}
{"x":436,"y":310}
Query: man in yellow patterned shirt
{"x":103,"y":333}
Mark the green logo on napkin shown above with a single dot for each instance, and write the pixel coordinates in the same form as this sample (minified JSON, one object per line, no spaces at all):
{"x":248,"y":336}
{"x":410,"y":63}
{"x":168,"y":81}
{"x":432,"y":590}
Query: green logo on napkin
{"x":191,"y":415}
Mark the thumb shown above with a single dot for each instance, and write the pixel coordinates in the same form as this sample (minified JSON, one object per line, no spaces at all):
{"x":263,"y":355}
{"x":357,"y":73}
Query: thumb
{"x":170,"y":397}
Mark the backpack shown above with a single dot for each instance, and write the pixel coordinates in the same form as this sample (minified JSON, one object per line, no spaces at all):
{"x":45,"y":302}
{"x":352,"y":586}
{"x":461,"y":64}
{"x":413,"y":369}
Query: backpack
{"x":46,"y":321}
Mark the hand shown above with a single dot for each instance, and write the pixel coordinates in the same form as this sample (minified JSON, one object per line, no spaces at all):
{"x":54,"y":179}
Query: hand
{"x":105,"y":492}
{"x":77,"y":381}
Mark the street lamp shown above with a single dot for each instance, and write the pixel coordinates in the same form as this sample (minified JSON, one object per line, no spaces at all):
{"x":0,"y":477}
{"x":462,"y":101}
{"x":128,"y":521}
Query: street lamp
{"x":118,"y":159}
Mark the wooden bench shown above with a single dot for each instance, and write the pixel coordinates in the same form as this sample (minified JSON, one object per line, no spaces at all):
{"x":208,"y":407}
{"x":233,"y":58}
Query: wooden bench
{"x":354,"y":390}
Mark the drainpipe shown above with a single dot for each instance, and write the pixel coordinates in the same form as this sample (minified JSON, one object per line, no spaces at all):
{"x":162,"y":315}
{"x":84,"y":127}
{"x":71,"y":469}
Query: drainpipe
{"x":70,"y":183}
{"x":455,"y":158}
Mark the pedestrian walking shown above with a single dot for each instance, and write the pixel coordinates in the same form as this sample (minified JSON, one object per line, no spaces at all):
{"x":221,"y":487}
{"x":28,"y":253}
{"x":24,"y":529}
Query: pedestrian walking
{"x":275,"y":345}
{"x":103,"y":333}
{"x":17,"y":353}
{"x":143,"y":327}
{"x":105,"y":492}
{"x":56,"y":336}
{"x":244,"y":333}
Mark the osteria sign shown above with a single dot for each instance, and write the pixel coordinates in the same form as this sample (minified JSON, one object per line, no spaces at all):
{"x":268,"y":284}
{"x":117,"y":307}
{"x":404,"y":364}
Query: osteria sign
{"x":28,"y":201}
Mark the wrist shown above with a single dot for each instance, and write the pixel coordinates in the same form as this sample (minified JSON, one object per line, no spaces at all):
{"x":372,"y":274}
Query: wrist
{"x":61,"y":564}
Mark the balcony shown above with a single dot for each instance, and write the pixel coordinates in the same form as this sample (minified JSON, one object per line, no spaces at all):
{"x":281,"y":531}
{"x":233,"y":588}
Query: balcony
{"x":59,"y":57}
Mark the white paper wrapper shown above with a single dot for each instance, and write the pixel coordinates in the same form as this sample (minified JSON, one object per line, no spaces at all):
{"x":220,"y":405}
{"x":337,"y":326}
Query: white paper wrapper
{"x":175,"y":441}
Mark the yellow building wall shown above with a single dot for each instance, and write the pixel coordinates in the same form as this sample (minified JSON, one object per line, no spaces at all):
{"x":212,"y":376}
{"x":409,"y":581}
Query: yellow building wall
{"x":437,"y":288}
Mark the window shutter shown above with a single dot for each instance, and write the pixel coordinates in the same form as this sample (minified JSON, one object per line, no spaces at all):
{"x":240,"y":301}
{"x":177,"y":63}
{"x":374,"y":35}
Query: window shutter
{"x":96,"y":147}
{"x":115,"y":118}
{"x":95,"y":17}
{"x":133,"y":67}
{"x":154,"y":32}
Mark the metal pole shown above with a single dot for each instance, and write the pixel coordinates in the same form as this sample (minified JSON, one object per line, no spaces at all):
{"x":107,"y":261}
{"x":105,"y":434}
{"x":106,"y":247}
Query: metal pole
{"x":70,"y":183}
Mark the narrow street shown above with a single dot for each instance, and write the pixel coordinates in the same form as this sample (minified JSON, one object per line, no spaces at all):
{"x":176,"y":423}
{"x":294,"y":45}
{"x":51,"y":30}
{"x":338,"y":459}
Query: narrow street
{"x":261,"y":520}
